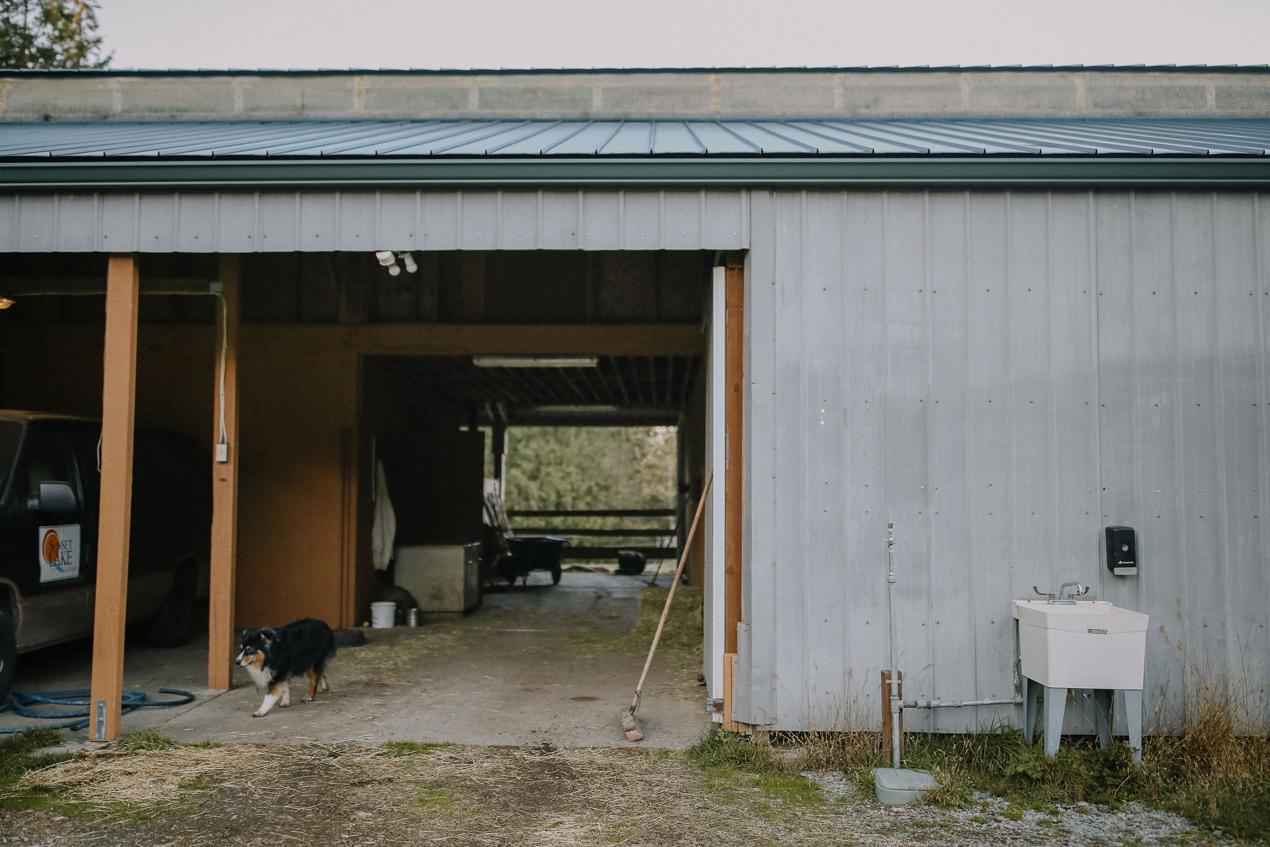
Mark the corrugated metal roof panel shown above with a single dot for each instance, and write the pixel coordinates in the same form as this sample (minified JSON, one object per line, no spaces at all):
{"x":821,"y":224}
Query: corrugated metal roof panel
{"x":521,"y":138}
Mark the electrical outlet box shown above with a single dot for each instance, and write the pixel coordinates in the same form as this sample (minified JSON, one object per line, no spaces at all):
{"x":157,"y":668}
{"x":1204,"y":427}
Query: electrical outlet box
{"x":1122,"y":550}
{"x":222,"y":452}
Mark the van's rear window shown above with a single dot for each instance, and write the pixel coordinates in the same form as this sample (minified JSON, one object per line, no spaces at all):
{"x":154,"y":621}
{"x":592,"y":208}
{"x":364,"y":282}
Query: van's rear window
{"x":10,"y":435}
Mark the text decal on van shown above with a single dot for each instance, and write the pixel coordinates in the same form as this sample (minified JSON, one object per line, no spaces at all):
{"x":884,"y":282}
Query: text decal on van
{"x":59,"y":552}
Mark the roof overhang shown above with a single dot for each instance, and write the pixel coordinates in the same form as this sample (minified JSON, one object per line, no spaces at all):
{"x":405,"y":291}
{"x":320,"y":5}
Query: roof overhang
{"x":874,"y":171}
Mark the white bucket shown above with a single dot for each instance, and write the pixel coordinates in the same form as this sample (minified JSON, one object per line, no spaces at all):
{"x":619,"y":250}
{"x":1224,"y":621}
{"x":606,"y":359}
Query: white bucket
{"x":383,"y":615}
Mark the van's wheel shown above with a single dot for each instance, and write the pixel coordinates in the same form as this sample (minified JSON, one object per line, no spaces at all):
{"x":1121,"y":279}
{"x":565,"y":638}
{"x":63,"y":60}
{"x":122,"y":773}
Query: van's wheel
{"x":173,"y":624}
{"x":8,"y":651}
{"x":555,"y":575}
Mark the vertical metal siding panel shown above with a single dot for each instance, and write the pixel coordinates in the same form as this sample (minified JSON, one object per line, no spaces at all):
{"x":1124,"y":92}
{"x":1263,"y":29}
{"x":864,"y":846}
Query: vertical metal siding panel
{"x":441,"y":211}
{"x":823,"y":352}
{"x":906,"y":366}
{"x":761,"y":572}
{"x":519,"y":225}
{"x":1030,"y":364}
{"x":791,"y":461}
{"x":863,"y":583}
{"x":1243,"y":559}
{"x":601,"y":222}
{"x":953,"y":602}
{"x":37,"y":214}
{"x":156,"y":223}
{"x":1073,"y":388}
{"x":398,"y":223}
{"x":1156,"y":482}
{"x":560,"y":222}
{"x":318,"y":221}
{"x":714,"y":459}
{"x":279,"y":228}
{"x":198,"y":222}
{"x":990,"y":387}
{"x":641,"y":221}
{"x":724,"y":220}
{"x":10,"y":219}
{"x":1116,"y":380}
{"x":119,"y":222}
{"x":76,"y":223}
{"x":1259,"y":601}
{"x":478,"y":228}
{"x":358,"y":212}
{"x":681,"y":221}
{"x":1204,"y":568}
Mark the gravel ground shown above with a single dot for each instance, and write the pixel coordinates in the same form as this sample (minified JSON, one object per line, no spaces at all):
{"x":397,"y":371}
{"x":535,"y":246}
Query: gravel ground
{"x":485,"y":796}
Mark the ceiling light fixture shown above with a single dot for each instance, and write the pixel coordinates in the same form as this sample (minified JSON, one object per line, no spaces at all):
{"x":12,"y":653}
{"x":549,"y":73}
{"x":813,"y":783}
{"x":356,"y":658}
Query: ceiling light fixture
{"x":5,"y":302}
{"x":388,"y":259}
{"x":536,"y":361}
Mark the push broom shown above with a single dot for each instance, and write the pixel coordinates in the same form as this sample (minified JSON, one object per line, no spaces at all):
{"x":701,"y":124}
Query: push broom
{"x":630,"y":724}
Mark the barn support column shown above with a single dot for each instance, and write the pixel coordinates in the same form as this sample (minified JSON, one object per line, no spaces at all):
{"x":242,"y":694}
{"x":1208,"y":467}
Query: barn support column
{"x":115,"y":515}
{"x":224,"y":556}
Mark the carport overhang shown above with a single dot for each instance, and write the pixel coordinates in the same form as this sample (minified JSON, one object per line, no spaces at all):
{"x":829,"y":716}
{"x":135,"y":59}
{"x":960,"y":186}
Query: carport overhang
{"x":58,"y":175}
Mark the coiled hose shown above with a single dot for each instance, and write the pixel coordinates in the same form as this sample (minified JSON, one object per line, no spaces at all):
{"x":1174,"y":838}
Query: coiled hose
{"x":25,"y":705}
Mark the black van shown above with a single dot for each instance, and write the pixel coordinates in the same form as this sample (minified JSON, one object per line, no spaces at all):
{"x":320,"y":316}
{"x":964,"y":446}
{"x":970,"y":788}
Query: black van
{"x":50,"y":484}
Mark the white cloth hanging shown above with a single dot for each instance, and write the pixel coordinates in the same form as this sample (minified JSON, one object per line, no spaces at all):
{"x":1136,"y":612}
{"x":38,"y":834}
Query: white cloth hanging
{"x":384,"y":531}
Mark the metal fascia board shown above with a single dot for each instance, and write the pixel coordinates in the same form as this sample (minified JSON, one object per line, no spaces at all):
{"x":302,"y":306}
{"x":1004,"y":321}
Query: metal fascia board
{"x":529,"y":172}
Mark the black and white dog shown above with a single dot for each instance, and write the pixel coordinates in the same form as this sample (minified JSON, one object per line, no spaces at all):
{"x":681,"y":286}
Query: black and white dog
{"x":274,"y":656}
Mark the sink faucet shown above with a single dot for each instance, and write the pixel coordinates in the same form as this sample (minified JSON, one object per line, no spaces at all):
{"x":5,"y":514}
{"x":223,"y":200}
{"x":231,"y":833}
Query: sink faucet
{"x":1078,"y":590}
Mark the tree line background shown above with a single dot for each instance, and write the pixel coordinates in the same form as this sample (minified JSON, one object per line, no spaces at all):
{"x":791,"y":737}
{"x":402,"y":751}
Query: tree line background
{"x":50,"y":34}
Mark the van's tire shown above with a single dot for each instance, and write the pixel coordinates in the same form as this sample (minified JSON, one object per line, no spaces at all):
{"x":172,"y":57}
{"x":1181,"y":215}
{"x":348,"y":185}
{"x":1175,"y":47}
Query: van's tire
{"x":8,"y":650}
{"x":173,"y":624}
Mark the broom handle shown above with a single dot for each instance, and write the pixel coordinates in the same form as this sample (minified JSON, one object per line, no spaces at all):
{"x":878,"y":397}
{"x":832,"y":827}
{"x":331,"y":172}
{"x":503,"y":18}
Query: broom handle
{"x":674,"y":583}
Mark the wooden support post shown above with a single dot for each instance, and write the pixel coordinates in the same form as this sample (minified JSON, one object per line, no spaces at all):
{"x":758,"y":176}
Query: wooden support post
{"x":886,"y":716}
{"x":115,"y":515}
{"x":734,"y":479}
{"x":220,"y":621}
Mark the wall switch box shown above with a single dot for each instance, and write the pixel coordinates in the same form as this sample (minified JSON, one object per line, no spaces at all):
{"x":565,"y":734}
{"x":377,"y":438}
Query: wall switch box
{"x":222,"y":452}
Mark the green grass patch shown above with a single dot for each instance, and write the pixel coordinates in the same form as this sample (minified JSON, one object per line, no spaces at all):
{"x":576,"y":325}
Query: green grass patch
{"x":19,"y":755}
{"x":145,"y":739}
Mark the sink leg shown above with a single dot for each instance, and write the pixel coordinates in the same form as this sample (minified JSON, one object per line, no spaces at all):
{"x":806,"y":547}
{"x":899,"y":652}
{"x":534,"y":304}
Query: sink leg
{"x":1133,"y":717}
{"x":1031,"y":692}
{"x":1102,"y":709}
{"x":1055,"y":705}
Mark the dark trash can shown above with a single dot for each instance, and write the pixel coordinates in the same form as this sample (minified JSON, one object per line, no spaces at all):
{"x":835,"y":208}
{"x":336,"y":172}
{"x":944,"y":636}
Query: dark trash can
{"x":532,"y":553}
{"x":631,"y":562}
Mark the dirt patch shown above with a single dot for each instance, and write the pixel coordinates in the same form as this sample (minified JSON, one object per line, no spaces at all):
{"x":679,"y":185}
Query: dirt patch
{"x":449,"y":795}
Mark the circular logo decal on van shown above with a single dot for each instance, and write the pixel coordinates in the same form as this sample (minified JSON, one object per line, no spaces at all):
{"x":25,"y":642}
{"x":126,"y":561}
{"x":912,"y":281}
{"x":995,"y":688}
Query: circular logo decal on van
{"x":50,"y":547}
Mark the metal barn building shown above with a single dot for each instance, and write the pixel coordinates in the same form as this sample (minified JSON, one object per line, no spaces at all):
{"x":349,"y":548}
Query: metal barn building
{"x":1002,"y":309}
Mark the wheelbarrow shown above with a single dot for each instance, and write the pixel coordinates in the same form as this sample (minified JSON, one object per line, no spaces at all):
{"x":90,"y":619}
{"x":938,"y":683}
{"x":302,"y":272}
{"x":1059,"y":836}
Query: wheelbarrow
{"x":531,"y":553}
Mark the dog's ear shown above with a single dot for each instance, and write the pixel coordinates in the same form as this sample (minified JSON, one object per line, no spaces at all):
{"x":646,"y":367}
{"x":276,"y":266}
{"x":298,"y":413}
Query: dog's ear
{"x":248,"y":637}
{"x":268,"y":635}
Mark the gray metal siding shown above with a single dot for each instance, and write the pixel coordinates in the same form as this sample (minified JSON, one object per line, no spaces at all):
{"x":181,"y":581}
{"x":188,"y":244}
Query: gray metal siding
{"x":321,"y":221}
{"x":1001,"y":375}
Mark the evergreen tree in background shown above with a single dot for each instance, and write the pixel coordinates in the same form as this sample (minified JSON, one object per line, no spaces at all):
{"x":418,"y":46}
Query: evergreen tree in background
{"x":50,"y":34}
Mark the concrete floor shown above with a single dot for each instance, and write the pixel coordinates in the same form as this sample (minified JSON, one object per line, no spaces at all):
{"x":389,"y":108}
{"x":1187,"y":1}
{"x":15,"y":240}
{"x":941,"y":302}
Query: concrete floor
{"x":505,"y":674}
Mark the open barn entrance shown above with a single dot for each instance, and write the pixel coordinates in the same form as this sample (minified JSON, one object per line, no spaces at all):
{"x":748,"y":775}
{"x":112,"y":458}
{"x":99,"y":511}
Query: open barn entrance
{"x":529,"y":467}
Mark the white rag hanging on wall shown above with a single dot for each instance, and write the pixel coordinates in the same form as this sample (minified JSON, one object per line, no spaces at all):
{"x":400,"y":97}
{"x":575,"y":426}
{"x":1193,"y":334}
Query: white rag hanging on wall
{"x":384,"y":531}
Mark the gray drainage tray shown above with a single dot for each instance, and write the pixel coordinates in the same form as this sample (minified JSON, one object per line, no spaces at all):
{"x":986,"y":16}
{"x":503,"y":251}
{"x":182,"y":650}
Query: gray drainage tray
{"x":896,"y":786}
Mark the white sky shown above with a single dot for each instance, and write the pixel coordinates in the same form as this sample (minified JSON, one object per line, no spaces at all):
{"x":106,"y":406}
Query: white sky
{"x":679,"y":33}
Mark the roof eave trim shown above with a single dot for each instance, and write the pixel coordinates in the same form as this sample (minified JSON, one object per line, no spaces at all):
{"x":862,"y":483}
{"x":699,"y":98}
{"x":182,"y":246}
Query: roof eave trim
{"x":543,"y":172}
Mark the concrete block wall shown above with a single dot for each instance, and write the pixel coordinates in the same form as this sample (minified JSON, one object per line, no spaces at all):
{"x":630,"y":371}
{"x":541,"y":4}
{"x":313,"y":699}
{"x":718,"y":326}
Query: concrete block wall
{"x":706,"y":94}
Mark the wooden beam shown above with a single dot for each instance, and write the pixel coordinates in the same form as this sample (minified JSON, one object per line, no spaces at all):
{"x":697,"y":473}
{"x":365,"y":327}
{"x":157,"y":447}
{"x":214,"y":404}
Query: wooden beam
{"x":18,"y":287}
{"x":115,"y":514}
{"x":561,"y":339}
{"x":596,"y":533}
{"x":590,"y":513}
{"x":224,"y":557}
{"x":734,"y":480}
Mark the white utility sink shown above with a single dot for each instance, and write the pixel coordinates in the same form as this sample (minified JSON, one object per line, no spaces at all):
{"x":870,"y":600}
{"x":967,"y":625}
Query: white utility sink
{"x":1086,"y":644}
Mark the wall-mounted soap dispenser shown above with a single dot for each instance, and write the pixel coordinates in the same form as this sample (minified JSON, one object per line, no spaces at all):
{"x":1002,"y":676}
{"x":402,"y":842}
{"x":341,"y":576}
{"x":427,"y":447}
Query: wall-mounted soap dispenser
{"x":1122,"y":550}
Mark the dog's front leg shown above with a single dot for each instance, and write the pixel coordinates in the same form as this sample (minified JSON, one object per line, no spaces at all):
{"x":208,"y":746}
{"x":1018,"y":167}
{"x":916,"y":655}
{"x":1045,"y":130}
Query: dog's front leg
{"x":275,"y":691}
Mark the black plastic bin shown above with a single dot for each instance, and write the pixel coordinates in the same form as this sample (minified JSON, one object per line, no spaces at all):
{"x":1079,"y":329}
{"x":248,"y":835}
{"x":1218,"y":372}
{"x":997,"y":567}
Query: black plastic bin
{"x":532,"y":553}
